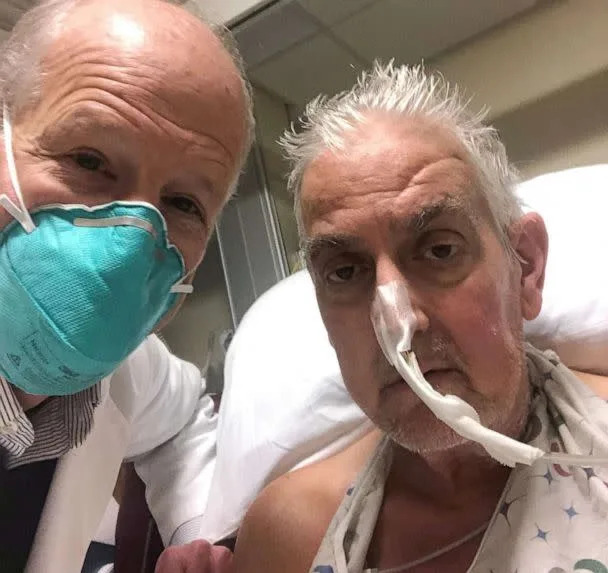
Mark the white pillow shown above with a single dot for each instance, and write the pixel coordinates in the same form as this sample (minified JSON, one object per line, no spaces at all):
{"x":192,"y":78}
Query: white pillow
{"x":574,"y":317}
{"x":284,"y":403}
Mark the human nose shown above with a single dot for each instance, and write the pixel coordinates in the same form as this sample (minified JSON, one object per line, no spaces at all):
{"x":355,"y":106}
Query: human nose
{"x":145,"y":190}
{"x":401,"y":303}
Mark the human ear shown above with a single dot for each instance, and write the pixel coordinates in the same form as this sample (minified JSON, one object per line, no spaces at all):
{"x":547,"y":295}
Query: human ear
{"x":530,"y":242}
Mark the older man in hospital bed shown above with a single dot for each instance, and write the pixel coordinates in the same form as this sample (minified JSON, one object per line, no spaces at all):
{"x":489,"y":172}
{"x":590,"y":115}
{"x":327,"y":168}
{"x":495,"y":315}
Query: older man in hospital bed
{"x":285,"y":406}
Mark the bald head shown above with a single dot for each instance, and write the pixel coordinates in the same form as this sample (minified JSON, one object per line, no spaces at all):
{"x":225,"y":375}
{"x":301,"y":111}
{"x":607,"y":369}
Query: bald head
{"x":137,"y":101}
{"x":158,"y":30}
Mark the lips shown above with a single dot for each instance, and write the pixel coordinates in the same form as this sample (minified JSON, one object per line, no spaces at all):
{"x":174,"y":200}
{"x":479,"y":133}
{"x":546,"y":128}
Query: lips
{"x":438,"y":375}
{"x":433,"y":376}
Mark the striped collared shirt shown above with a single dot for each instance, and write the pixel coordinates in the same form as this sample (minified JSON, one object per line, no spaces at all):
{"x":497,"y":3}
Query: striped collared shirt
{"x":48,"y":431}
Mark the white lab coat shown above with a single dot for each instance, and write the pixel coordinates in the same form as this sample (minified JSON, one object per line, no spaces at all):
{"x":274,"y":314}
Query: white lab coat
{"x":153,"y":412}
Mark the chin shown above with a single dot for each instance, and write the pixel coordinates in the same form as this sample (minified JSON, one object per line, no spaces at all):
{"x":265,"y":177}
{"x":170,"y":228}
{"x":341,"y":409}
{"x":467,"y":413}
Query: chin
{"x":427,"y":435}
{"x":418,"y":430}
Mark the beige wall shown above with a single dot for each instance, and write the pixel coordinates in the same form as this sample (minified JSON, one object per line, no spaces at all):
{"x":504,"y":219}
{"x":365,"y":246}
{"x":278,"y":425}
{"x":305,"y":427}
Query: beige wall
{"x":272,"y":119}
{"x":544,"y":77}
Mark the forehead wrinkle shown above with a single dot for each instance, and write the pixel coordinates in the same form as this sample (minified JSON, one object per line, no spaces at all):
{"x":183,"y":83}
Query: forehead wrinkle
{"x":130,"y":80}
{"x":417,"y":171}
{"x":186,"y":134}
{"x":134,"y":73}
{"x":89,"y":120}
{"x":97,"y":119}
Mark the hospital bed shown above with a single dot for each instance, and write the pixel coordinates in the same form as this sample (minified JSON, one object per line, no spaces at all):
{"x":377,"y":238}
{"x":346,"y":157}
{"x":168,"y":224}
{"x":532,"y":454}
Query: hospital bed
{"x":284,"y":404}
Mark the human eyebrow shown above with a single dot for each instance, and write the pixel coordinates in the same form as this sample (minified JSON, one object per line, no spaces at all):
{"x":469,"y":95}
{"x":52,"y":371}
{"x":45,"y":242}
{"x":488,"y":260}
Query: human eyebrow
{"x":423,"y":217}
{"x":76,"y":129}
{"x":314,"y":246}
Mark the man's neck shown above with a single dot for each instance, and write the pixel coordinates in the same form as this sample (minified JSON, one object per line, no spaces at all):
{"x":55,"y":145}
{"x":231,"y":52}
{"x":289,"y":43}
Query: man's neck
{"x":448,"y":475}
{"x":28,"y":401}
{"x":463,"y":469}
{"x":433,"y":500}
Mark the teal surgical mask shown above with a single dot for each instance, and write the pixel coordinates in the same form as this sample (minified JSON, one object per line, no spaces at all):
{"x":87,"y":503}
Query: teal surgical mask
{"x":80,"y":288}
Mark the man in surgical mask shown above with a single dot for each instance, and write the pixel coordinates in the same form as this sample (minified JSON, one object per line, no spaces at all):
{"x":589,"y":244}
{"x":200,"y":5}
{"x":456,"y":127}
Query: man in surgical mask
{"x":494,"y":454}
{"x":125,"y":125}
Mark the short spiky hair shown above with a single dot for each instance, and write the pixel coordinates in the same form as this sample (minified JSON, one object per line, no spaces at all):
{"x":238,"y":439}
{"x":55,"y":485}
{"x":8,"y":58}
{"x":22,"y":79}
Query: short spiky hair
{"x":405,"y":91}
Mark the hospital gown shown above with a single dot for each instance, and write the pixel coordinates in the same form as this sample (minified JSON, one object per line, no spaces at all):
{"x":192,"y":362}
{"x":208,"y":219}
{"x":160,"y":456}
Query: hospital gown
{"x":549,"y":519}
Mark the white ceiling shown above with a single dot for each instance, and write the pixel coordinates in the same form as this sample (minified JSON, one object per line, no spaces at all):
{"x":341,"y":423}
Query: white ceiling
{"x":296,"y":49}
{"x":299,"y":48}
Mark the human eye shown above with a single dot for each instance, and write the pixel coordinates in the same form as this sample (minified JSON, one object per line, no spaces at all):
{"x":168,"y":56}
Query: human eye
{"x":440,"y":247}
{"x":184,"y":205}
{"x":443,"y":257}
{"x":441,"y":252}
{"x":89,"y":160}
{"x":343,"y":274}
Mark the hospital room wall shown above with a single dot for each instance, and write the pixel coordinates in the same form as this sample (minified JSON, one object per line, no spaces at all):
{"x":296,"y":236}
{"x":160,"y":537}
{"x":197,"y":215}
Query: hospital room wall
{"x":205,"y":315}
{"x":543,"y":75}
{"x":273,"y":117}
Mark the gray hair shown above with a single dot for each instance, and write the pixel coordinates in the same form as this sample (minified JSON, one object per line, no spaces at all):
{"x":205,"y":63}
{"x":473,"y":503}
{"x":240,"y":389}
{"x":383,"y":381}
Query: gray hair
{"x":20,"y":55}
{"x":407,"y":91}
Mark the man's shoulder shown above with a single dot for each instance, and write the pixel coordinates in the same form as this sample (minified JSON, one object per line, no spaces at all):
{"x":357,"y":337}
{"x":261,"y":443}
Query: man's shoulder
{"x":597,"y":383}
{"x":303,"y":496}
{"x":286,"y":523}
{"x":315,"y":490}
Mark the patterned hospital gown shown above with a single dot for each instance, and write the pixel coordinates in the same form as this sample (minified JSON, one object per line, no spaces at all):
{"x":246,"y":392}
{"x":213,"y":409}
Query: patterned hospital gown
{"x":550,"y":518}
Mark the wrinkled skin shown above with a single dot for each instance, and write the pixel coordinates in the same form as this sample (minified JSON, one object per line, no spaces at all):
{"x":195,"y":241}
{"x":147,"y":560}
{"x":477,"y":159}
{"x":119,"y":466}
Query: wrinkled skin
{"x":403,"y":203}
{"x":138,"y":102}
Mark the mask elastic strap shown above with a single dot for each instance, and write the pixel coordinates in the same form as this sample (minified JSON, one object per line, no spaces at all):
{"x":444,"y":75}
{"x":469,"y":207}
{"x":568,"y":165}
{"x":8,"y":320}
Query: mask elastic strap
{"x":19,"y":212}
{"x":180,"y":288}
